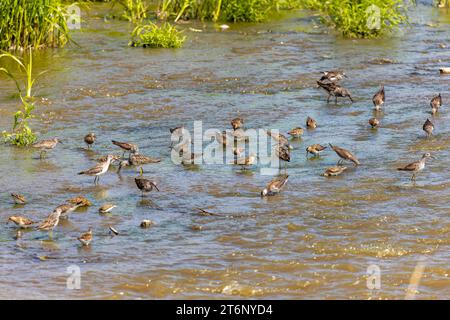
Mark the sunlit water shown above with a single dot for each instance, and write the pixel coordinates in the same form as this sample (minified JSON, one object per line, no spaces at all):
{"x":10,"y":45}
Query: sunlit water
{"x":314,"y":240}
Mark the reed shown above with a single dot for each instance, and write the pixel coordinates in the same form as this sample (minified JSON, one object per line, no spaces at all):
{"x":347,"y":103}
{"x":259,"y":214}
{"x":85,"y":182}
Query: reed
{"x":154,"y":36}
{"x":133,"y":10}
{"x":32,"y":24}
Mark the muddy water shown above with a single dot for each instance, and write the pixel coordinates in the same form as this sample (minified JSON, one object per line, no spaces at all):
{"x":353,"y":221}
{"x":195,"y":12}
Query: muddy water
{"x":314,"y":240}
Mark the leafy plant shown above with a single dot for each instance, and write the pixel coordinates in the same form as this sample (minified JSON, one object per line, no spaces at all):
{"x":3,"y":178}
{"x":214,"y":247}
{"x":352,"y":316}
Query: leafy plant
{"x":134,"y":10}
{"x":154,"y":36}
{"x":21,"y":134}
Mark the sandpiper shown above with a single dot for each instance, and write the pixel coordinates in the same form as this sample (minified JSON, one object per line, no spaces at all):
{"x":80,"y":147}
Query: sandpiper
{"x":296,"y":132}
{"x":125,"y":146}
{"x":22,"y":222}
{"x":334,"y":171}
{"x":146,"y":223}
{"x":416,"y":166}
{"x":280,"y":138}
{"x":89,"y":139}
{"x":274,"y":186}
{"x":374,"y":122}
{"x":18,"y":198}
{"x":378,"y":98}
{"x":145,"y":185}
{"x":334,"y":90}
{"x":428,"y":127}
{"x":315,"y":149}
{"x":246,"y":161}
{"x":311,"y":123}
{"x":45,"y":145}
{"x":137,"y":159}
{"x":283,"y":153}
{"x":68,"y":208}
{"x":99,"y":169}
{"x":80,"y":200}
{"x":86,"y":238}
{"x":344,"y":155}
{"x":333,"y":75}
{"x":49,"y":223}
{"x":436,"y":103}
{"x":237,"y":123}
{"x":106,"y":208}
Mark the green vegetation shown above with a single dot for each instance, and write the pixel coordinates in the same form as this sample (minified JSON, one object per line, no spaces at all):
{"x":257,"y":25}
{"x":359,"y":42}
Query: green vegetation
{"x":32,"y":24}
{"x":21,"y":134}
{"x":154,"y":36}
{"x":361,"y":18}
{"x":443,"y":3}
{"x":133,"y":10}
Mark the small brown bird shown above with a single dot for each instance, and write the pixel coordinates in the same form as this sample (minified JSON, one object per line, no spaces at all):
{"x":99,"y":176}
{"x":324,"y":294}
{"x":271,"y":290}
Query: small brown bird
{"x":280,"y":138}
{"x":334,"y":171}
{"x":344,"y":155}
{"x":146,"y":223}
{"x":417,"y":166}
{"x":99,"y":169}
{"x":18,"y":198}
{"x":374,"y":122}
{"x":428,"y":127}
{"x":283,"y":153}
{"x":86,"y":238}
{"x":125,"y":146}
{"x":274,"y":186}
{"x":89,"y":139}
{"x":378,"y":98}
{"x":315,"y":149}
{"x":46,"y":145}
{"x":67,"y":208}
{"x":80,"y":200}
{"x":311,"y":123}
{"x":106,"y":208}
{"x":334,"y":90}
{"x":22,"y":222}
{"x":237,"y":123}
{"x":436,"y":103}
{"x":50,"y":223}
{"x":333,"y":75}
{"x":245,"y":162}
{"x":296,"y":132}
{"x":143,"y":184}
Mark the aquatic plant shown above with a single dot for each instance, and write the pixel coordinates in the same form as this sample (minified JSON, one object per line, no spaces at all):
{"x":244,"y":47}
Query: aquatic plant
{"x":21,"y":134}
{"x":154,"y":36}
{"x":32,"y":24}
{"x":442,"y":3}
{"x":361,"y":18}
{"x":133,"y":10}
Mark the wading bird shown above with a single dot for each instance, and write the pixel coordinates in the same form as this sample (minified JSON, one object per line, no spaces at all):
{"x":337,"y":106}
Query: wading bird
{"x":334,"y":171}
{"x":436,"y":103}
{"x":274,"y":186}
{"x":50,"y":223}
{"x":237,"y":123}
{"x":374,"y":122}
{"x":311,"y":123}
{"x":68,"y":208}
{"x":417,"y":166}
{"x":99,"y":169}
{"x":20,"y":221}
{"x":86,"y":238}
{"x":125,"y":146}
{"x":89,"y":139}
{"x":428,"y":127}
{"x":18,"y":198}
{"x":143,"y":184}
{"x":334,"y":90}
{"x":378,"y":98}
{"x":315,"y":149}
{"x":333,"y":75}
{"x":296,"y":132}
{"x":344,"y":155}
{"x":46,"y":145}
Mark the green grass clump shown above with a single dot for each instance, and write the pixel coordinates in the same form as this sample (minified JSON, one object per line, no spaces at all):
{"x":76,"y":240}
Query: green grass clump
{"x":133,"y":10}
{"x":355,"y":19}
{"x":32,"y":24}
{"x":154,"y":36}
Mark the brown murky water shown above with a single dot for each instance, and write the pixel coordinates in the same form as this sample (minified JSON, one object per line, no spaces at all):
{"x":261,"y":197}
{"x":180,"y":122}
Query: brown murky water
{"x":314,"y":240}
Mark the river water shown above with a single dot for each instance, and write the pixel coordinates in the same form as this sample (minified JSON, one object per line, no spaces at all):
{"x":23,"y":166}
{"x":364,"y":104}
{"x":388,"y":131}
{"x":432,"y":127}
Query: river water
{"x":314,"y":240}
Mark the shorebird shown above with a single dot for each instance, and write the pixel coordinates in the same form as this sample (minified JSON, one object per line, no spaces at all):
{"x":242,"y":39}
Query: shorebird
{"x":67,"y":208}
{"x":374,"y":122}
{"x":99,"y":169}
{"x":344,"y":155}
{"x":237,"y":123}
{"x":334,"y":171}
{"x":296,"y":132}
{"x":125,"y":146}
{"x":50,"y":223}
{"x":334,"y":90}
{"x":315,"y":149}
{"x":45,"y":145}
{"x":436,"y":103}
{"x":274,"y":186}
{"x":86,"y":238}
{"x":311,"y":123}
{"x":80,"y":200}
{"x":18,"y":198}
{"x":137,"y":159}
{"x":283,"y":153}
{"x":378,"y":98}
{"x":106,"y":208}
{"x":145,"y":185}
{"x":333,"y":75}
{"x":22,"y":222}
{"x":246,"y":161}
{"x":280,"y":138}
{"x":428,"y":127}
{"x":146,"y":223}
{"x":417,"y":166}
{"x":89,"y":139}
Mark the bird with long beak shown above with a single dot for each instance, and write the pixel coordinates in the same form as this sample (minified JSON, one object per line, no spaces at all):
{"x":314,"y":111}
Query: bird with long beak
{"x":344,"y":155}
{"x":334,"y":90}
{"x":283,"y":153}
{"x":46,"y":145}
{"x":99,"y":169}
{"x":280,"y":139}
{"x":89,"y":139}
{"x":436,"y":103}
{"x":22,"y":222}
{"x":417,"y":166}
{"x":143,"y":184}
{"x":274,"y":186}
{"x":296,"y":132}
{"x":378,"y":98}
{"x":428,"y":127}
{"x":333,"y":75}
{"x":315,"y":149}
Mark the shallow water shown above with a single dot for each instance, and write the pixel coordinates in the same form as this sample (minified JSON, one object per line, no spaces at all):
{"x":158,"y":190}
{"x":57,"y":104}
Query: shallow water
{"x":314,"y":240}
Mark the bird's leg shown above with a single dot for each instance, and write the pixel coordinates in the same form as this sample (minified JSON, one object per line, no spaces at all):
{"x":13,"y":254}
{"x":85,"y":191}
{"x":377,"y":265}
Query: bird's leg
{"x":335,"y":99}
{"x":50,"y":234}
{"x":328,"y":99}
